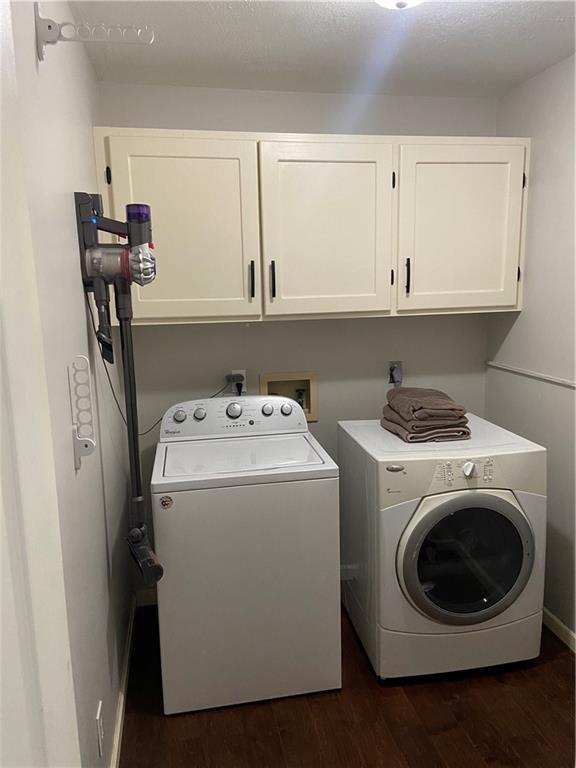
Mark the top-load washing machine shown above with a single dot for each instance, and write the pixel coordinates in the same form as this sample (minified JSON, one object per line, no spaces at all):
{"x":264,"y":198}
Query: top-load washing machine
{"x":443,"y":547}
{"x":245,"y":505}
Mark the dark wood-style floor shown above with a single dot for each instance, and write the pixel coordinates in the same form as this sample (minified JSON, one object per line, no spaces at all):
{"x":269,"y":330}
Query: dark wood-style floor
{"x":518,"y":715}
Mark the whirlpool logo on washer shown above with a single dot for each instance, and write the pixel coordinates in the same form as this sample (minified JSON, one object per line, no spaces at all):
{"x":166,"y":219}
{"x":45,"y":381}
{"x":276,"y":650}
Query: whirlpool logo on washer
{"x":166,"y":502}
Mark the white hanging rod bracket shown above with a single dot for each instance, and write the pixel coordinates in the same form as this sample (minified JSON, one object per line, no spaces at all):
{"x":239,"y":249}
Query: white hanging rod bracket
{"x":50,"y":32}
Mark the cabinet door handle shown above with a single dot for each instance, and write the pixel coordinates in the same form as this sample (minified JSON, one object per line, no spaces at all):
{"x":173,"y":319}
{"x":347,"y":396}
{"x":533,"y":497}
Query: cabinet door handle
{"x":252,"y":279}
{"x":273,"y":278}
{"x":407,"y":276}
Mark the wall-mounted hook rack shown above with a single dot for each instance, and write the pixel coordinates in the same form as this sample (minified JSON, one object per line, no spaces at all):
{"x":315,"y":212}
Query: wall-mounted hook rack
{"x":50,"y":32}
{"x":83,"y":433}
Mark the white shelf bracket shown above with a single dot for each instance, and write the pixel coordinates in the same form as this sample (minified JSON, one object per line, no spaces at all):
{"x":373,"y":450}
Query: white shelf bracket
{"x":50,"y":32}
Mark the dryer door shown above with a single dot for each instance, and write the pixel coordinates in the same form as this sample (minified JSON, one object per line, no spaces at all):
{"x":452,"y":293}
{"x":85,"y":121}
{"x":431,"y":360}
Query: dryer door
{"x":466,"y":556}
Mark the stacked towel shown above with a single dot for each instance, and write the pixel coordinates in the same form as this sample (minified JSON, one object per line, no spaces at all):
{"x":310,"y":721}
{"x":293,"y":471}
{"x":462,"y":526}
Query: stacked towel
{"x":420,"y":415}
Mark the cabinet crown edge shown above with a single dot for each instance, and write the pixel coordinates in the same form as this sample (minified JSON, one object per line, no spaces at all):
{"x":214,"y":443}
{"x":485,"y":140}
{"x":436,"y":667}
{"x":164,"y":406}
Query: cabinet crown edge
{"x":102,"y":132}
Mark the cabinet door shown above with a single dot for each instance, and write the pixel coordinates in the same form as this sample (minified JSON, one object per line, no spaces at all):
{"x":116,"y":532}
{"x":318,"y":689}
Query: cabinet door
{"x":460,"y":219}
{"x":326,"y":227}
{"x":204,"y":199}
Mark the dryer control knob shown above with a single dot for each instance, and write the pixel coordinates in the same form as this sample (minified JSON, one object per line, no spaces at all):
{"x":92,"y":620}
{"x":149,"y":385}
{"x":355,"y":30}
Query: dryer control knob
{"x":286,"y":409}
{"x":267,"y":409}
{"x":179,"y":416}
{"x":468,"y":468}
{"x":234,"y":410}
{"x":200,"y":414}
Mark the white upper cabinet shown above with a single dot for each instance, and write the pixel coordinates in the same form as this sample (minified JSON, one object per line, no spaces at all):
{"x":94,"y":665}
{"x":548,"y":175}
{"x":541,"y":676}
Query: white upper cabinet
{"x":327,"y":234}
{"x":204,"y":199}
{"x":460,"y":223}
{"x":254,"y":226}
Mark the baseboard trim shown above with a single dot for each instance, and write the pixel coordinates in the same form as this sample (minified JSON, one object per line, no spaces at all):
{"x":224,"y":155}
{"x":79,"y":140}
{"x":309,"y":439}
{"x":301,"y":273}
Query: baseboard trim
{"x":121,"y":706}
{"x":561,"y":631}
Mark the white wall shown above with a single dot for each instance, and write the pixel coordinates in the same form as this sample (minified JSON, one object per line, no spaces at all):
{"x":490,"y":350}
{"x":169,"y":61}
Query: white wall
{"x":220,"y":109}
{"x":350,"y":358}
{"x":37,"y":707}
{"x":541,"y":338}
{"x":56,"y":118}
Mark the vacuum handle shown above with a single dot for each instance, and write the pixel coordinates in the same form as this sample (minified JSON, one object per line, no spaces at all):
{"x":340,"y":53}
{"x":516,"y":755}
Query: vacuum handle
{"x":104,"y":332}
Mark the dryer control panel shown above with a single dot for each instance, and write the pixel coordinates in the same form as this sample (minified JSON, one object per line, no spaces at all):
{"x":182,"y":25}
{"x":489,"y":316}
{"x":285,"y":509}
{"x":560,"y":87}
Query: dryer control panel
{"x":453,"y":471}
{"x":403,"y":480}
{"x":232,"y":417}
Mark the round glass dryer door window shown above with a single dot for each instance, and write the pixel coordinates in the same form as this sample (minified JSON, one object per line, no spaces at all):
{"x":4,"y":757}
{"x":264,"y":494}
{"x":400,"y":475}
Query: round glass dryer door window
{"x":468,"y":559}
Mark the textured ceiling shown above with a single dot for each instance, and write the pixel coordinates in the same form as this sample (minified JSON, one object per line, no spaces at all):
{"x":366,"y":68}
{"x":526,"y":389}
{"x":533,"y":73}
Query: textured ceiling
{"x":438,"y":48}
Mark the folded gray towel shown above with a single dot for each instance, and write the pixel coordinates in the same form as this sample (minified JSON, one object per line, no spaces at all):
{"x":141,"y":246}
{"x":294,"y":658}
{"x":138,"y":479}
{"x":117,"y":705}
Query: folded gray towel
{"x":422,"y":426}
{"x":421,"y":403}
{"x":430,"y":436}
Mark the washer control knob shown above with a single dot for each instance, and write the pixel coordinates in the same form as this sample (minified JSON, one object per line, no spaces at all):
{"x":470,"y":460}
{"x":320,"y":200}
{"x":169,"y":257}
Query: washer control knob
{"x":179,"y":416}
{"x":468,"y":468}
{"x":267,"y":409}
{"x":234,"y":410}
{"x":286,"y":409}
{"x":200,"y":414}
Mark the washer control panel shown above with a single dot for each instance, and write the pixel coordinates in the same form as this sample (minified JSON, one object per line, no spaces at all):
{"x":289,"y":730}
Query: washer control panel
{"x":478,"y":470}
{"x":232,"y":416}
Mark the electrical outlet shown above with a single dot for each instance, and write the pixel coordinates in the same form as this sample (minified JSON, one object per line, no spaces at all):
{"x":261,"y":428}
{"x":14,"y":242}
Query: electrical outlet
{"x":396,"y":374}
{"x":100,"y":729}
{"x":242,"y":372}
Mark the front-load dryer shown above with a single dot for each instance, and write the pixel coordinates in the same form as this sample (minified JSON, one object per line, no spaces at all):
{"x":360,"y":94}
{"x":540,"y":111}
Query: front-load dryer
{"x":245,"y":505}
{"x":443,"y":544}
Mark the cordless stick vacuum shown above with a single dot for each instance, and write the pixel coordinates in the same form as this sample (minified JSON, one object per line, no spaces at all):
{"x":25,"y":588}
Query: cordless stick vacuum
{"x":103,"y":265}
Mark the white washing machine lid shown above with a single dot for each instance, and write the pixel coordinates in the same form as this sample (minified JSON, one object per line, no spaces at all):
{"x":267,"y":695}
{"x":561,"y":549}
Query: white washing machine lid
{"x":239,"y":461}
{"x":485,"y":438}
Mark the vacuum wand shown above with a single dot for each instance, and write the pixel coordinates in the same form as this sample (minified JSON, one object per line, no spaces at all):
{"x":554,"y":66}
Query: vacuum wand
{"x":104,"y":265}
{"x":138,"y":540}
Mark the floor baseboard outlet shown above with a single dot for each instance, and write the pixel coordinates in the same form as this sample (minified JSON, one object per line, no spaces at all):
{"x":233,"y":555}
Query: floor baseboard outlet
{"x":560,"y":630}
{"x":121,"y":706}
